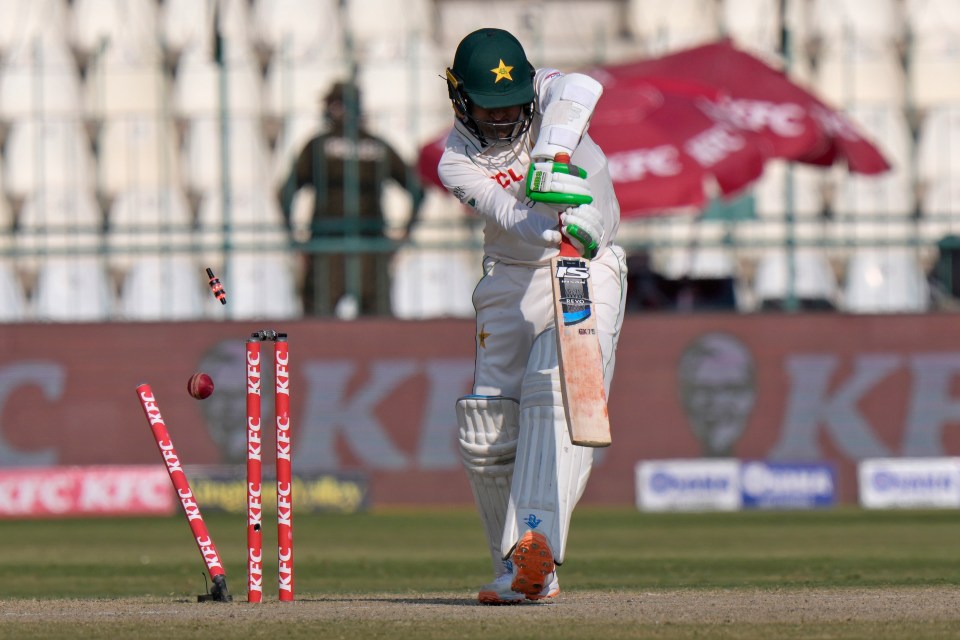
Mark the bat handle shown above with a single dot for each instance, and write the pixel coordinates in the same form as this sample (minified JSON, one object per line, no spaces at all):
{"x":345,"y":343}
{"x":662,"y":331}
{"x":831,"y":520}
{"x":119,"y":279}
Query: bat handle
{"x":567,"y":250}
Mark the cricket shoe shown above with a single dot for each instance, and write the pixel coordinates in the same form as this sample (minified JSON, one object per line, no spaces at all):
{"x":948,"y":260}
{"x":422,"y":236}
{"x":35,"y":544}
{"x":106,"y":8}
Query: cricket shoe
{"x":550,"y":590}
{"x":500,"y":591}
{"x":533,"y":566}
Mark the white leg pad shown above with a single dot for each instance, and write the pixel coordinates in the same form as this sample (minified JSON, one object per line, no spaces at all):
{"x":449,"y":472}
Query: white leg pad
{"x":488,"y":447}
{"x":551,"y":473}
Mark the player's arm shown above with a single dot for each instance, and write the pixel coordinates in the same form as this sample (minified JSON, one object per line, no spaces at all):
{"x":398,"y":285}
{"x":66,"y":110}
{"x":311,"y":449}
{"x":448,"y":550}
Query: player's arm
{"x":485,"y":196}
{"x":566,"y":102}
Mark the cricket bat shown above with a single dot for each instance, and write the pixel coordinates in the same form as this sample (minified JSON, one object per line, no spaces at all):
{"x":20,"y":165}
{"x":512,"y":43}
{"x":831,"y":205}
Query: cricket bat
{"x":578,"y":346}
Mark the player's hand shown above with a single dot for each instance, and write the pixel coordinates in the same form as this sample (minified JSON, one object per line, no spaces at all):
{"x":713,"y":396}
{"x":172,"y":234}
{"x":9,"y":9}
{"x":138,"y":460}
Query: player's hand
{"x":583,"y":226}
{"x":551,"y":182}
{"x":551,"y":238}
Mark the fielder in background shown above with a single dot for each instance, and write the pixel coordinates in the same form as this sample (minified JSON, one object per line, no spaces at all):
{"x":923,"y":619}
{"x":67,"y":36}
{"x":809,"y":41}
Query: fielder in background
{"x":348,"y":167}
{"x":510,"y":120}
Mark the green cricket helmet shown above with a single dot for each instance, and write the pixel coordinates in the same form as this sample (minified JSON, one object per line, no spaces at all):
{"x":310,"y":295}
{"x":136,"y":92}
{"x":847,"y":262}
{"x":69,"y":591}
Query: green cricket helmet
{"x":491,"y":71}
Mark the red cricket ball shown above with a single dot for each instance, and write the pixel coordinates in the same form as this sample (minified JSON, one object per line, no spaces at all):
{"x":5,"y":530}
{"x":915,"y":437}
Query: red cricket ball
{"x":200,"y":386}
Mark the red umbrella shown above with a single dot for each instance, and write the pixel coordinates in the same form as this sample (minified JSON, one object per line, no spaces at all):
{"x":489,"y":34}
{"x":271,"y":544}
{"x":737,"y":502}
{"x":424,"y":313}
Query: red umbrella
{"x":684,"y":127}
{"x":666,"y":149}
{"x":756,"y":97}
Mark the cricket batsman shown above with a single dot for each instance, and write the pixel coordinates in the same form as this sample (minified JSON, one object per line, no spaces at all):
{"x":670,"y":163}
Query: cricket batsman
{"x":510,"y":122}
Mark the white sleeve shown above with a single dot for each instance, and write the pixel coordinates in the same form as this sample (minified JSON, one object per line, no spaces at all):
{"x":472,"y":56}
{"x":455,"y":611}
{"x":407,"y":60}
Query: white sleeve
{"x":566,"y":103}
{"x":478,"y":191}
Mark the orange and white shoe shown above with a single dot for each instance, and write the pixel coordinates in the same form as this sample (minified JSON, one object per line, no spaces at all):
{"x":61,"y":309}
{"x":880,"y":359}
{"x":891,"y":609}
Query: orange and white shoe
{"x":550,"y":590}
{"x":500,"y":591}
{"x":533,"y":565}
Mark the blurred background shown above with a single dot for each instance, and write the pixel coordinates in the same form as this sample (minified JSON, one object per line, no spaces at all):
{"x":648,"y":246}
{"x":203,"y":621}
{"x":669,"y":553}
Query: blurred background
{"x":144,"y":140}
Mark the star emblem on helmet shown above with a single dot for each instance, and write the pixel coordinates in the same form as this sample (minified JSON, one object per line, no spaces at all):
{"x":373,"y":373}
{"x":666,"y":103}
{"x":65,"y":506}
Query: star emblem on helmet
{"x":502,"y":71}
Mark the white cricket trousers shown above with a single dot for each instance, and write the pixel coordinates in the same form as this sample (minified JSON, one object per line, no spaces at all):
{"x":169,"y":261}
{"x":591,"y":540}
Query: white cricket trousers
{"x":514,"y":305}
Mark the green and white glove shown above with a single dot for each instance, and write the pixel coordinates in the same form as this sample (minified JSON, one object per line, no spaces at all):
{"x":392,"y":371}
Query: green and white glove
{"x":583,"y":225}
{"x":558,"y":183}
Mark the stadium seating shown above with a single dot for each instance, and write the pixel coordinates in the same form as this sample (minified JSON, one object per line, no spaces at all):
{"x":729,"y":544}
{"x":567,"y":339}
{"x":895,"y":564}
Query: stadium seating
{"x":881,"y":207}
{"x":433,"y":284}
{"x":253,"y":223}
{"x":296,"y":86}
{"x":782,"y":181}
{"x":47,"y":154}
{"x":815,"y":285}
{"x":854,"y":76}
{"x":13,"y":301}
{"x":56,"y":222}
{"x":938,"y":171}
{"x":297,"y":29}
{"x":163,"y":288}
{"x":121,"y":100}
{"x":932,"y":55}
{"x":940,"y":206}
{"x":120,"y":89}
{"x":60,"y":237}
{"x":73,"y":289}
{"x":137,"y":153}
{"x":204,"y":154}
{"x":121,"y":30}
{"x":6,"y":214}
{"x":938,"y":144}
{"x":259,"y":266}
{"x":40,"y":79}
{"x":187,"y":28}
{"x":668,"y":26}
{"x":858,"y":47}
{"x":27,"y":20}
{"x":699,"y":263}
{"x":384,"y":28}
{"x":148,"y":222}
{"x":261,"y":286}
{"x":200,"y":84}
{"x":405,"y":100}
{"x":886,"y":280}
{"x":753,"y":24}
{"x":863,"y":24}
{"x":785,"y":189}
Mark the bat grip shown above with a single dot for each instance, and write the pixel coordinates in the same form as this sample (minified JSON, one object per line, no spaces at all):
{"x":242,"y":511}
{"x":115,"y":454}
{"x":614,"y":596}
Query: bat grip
{"x":567,"y":250}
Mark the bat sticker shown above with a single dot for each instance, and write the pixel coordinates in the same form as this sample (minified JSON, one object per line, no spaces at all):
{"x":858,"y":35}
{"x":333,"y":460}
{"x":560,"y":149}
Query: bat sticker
{"x":573,"y":276}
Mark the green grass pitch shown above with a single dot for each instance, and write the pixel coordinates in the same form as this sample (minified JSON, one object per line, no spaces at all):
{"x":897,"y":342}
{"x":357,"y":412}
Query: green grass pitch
{"x":436,"y":556}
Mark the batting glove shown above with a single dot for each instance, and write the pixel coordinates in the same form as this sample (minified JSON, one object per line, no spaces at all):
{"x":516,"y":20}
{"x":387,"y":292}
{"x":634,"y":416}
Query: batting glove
{"x":583,"y":226}
{"x":552,"y":183}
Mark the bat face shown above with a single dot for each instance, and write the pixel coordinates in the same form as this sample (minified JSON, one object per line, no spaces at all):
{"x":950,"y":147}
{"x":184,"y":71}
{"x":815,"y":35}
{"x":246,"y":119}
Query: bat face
{"x":578,"y":347}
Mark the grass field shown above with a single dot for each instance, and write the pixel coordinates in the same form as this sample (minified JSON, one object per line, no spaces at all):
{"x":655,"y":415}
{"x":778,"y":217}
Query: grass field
{"x":843,"y":573}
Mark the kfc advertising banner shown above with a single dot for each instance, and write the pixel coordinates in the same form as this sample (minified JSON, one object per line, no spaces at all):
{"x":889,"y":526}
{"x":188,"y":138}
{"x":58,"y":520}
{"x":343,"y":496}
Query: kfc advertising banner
{"x":376,"y":397}
{"x":59,"y":492}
